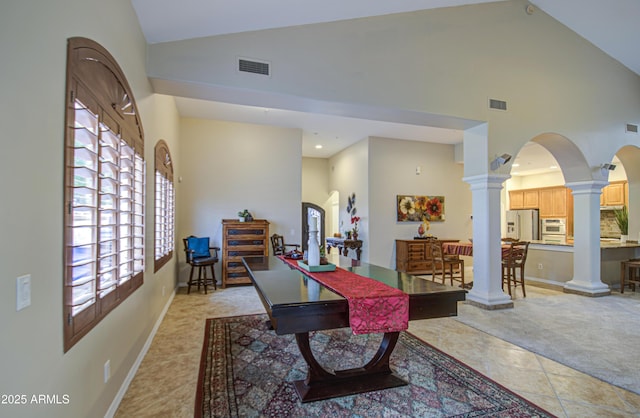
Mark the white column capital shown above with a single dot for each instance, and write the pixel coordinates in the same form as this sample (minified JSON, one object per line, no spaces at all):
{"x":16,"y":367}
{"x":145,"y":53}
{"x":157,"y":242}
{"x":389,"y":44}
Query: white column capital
{"x":487,"y":181}
{"x":587,"y":187}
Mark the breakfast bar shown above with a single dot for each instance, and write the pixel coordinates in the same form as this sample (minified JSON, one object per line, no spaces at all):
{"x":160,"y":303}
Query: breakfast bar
{"x":297,"y":304}
{"x":552,"y":263}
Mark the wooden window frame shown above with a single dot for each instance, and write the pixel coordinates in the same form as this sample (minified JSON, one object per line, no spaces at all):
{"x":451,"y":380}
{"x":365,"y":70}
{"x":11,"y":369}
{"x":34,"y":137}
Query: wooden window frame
{"x":164,"y":223}
{"x":104,"y":190}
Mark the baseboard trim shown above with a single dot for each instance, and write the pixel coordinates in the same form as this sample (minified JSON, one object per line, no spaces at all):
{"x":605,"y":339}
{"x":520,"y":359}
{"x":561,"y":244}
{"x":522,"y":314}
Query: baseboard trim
{"x":545,"y":283}
{"x":134,"y":368}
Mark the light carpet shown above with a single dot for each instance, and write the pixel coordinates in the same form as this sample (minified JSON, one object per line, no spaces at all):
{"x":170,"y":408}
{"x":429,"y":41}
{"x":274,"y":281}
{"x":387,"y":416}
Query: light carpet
{"x":597,"y":336}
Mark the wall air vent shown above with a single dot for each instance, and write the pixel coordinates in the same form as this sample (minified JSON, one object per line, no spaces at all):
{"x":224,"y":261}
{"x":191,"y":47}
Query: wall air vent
{"x":631,"y":128}
{"x":497,"y":104}
{"x":254,"y":67}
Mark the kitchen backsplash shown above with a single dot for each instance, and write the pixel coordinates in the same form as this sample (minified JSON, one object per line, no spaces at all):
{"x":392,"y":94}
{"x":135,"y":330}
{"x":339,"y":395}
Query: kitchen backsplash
{"x":608,"y":226}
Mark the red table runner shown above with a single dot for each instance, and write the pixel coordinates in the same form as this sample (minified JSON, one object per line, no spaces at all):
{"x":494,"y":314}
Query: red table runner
{"x":374,"y":307}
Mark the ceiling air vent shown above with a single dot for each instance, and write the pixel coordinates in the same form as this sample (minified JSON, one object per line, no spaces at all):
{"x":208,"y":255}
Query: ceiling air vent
{"x":497,"y":104}
{"x":253,"y":66}
{"x":631,"y":128}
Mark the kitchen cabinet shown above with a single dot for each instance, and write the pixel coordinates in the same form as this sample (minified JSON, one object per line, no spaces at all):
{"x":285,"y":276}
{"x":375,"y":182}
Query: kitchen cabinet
{"x":626,"y":193}
{"x":553,"y":202}
{"x":523,"y":199}
{"x":516,"y":199}
{"x":569,"y":212}
{"x":614,"y":194}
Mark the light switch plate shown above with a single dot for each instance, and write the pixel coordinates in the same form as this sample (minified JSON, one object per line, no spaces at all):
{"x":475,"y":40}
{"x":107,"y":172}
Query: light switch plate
{"x":23,"y":292}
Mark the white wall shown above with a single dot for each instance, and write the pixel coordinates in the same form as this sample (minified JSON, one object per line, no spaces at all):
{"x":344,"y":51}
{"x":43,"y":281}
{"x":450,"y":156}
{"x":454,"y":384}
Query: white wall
{"x":379,"y":169}
{"x":392,"y":172}
{"x":227,"y":167}
{"x":348,"y":174}
{"x":315,"y":188}
{"x":33,"y":41}
{"x":533,"y":181}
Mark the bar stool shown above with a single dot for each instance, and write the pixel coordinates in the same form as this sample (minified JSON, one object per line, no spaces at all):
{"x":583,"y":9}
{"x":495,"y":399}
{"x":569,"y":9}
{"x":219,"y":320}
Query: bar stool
{"x":631,"y":268}
{"x":200,"y":255}
{"x":515,"y":260}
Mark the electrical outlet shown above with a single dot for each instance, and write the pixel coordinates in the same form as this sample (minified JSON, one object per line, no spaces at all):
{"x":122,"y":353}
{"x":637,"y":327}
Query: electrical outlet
{"x":539,"y":266}
{"x":107,"y":371}
{"x":23,"y":292}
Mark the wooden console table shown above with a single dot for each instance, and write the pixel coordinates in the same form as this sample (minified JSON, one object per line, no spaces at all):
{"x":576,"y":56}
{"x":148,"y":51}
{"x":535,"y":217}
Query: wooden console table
{"x":343,"y":245}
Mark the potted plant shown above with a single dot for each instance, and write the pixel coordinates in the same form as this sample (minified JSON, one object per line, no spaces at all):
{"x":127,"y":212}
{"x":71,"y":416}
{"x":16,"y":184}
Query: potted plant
{"x":243,"y":215}
{"x":622,"y":219}
{"x":323,"y":255}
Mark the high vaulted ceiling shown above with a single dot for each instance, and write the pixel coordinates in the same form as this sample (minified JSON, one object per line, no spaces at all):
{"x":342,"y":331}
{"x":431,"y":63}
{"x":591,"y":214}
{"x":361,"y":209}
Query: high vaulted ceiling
{"x":610,"y":25}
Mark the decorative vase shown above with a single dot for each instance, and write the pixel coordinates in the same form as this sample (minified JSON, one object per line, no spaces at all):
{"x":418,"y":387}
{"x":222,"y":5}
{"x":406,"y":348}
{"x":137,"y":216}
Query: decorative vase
{"x":354,"y":235}
{"x":313,"y":253}
{"x":313,"y":289}
{"x":241,"y":219}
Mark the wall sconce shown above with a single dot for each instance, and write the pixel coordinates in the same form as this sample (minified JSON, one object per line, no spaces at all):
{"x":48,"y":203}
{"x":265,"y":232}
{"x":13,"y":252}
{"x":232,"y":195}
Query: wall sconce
{"x":607,"y":167}
{"x":500,"y":161}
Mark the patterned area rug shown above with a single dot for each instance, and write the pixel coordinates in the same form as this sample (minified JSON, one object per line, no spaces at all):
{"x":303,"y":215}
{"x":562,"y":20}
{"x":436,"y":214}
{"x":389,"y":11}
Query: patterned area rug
{"x":246,"y":370}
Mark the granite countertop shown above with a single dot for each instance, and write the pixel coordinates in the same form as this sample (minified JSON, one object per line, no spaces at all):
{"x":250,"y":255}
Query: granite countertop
{"x":603,"y":244}
{"x":618,"y":244}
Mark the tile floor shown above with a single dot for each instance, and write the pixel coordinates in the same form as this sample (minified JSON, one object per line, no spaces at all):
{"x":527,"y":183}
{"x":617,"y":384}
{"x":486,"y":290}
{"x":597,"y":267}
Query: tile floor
{"x":165,"y":382}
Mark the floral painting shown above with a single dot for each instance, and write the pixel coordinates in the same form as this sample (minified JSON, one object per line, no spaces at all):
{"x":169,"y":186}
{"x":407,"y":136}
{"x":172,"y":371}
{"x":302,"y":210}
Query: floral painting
{"x":419,"y":208}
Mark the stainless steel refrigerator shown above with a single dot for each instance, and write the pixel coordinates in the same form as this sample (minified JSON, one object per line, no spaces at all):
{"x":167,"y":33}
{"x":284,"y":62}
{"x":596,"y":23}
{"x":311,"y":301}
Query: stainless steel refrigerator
{"x":523,"y":224}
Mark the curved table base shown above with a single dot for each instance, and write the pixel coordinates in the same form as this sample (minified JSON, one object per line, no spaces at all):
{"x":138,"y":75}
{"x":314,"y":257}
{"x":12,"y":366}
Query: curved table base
{"x":322,"y":384}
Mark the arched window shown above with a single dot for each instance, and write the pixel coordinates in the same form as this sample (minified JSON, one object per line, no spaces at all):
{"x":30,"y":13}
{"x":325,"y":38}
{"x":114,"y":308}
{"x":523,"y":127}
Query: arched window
{"x":104,"y":188}
{"x":164,"y":234}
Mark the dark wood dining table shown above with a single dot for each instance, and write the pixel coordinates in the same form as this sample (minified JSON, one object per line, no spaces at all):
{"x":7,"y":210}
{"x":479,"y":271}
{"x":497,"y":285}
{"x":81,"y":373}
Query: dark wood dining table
{"x":297,"y":304}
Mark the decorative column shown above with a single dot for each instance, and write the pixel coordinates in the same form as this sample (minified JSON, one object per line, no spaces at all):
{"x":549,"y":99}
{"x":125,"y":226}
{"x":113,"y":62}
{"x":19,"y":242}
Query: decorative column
{"x":487,"y":252}
{"x":586,"y":240}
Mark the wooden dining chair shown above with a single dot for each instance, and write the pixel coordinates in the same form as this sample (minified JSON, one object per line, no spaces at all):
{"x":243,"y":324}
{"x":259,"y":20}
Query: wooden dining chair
{"x":443,"y":265}
{"x":200,"y":255}
{"x":279,"y":247}
{"x":514,"y":263}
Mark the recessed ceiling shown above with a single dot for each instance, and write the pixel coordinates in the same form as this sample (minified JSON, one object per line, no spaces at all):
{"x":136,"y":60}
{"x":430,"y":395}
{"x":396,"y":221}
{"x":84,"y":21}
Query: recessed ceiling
{"x":609,"y":25}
